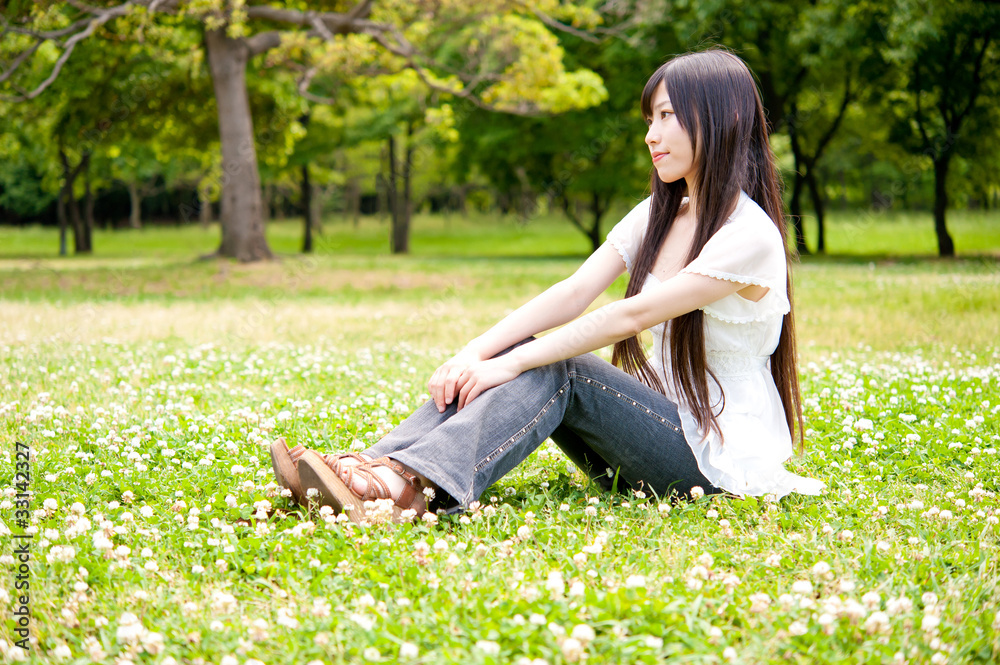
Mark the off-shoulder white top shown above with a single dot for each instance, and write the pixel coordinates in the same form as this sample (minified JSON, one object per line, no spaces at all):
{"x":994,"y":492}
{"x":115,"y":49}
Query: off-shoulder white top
{"x":740,"y":336}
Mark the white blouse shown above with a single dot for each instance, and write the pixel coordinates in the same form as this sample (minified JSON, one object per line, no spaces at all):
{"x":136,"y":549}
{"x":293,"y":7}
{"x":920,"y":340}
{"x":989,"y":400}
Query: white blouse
{"x":740,"y":336}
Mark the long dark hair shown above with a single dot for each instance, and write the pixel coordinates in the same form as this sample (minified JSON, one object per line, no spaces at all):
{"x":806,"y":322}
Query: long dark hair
{"x":716,"y":101}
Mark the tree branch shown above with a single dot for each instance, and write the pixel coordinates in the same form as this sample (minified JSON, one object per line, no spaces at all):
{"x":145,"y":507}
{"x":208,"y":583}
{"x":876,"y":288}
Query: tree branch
{"x":920,"y":113}
{"x":405,"y":50}
{"x":92,"y":25}
{"x":562,"y":27}
{"x":18,"y":60}
{"x":341,"y":24}
{"x":264,"y":41}
{"x":976,"y":80}
{"x":825,"y":139}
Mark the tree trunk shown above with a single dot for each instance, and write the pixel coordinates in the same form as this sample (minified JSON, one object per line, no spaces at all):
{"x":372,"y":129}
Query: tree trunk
{"x":68,"y":200}
{"x":88,"y":210}
{"x":597,"y":210}
{"x":308,"y":213}
{"x":398,"y":235}
{"x":946,"y":246}
{"x":354,"y":199}
{"x":795,"y":213}
{"x":204,"y":210}
{"x":61,"y":216}
{"x":815,"y":193}
{"x":135,"y":206}
{"x":406,"y":204}
{"x":795,"y":205}
{"x":241,"y":209}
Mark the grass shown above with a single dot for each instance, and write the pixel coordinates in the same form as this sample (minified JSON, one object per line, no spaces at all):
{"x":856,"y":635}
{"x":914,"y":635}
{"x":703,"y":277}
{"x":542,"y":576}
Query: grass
{"x":148,"y":385}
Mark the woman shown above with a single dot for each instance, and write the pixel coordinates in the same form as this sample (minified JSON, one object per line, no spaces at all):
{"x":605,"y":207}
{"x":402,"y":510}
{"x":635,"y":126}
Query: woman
{"x":719,"y":404}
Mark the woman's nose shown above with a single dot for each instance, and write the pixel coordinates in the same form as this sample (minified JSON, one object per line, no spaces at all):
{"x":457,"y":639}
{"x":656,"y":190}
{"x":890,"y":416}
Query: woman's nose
{"x":652,"y":136}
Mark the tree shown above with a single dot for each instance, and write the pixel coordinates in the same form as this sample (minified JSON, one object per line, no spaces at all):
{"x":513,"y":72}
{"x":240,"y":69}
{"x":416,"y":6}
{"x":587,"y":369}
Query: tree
{"x":581,"y":162}
{"x":950,"y":60}
{"x":513,"y":74}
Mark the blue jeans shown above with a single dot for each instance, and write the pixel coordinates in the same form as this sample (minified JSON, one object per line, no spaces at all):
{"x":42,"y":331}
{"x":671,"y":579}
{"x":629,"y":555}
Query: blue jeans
{"x":606,"y":421}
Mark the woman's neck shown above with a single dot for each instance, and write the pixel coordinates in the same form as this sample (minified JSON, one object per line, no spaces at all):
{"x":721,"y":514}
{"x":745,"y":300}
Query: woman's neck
{"x":692,"y":201}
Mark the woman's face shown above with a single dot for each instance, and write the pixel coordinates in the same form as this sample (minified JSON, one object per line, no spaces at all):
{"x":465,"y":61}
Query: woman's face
{"x":669,"y":145}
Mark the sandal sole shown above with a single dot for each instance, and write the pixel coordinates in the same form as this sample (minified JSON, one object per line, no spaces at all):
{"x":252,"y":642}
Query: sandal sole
{"x":285,"y":472}
{"x":331,"y":490}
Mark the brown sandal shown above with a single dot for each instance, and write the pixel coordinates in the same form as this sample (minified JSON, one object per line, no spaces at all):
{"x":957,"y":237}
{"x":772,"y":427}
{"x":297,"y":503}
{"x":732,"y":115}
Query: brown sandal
{"x":337,"y":490}
{"x":284,"y":462}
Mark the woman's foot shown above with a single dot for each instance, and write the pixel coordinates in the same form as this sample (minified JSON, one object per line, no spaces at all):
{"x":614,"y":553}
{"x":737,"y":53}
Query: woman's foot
{"x":284,"y":462}
{"x":384,"y":482}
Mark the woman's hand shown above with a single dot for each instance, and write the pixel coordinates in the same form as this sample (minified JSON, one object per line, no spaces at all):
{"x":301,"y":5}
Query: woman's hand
{"x":444,"y":384}
{"x":483,"y":376}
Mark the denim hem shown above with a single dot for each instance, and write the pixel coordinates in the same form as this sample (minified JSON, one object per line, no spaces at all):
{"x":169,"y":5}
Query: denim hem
{"x":435,"y":474}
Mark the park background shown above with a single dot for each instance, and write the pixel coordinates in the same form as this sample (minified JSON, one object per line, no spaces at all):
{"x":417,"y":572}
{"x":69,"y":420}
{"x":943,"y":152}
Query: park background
{"x":222,"y":222}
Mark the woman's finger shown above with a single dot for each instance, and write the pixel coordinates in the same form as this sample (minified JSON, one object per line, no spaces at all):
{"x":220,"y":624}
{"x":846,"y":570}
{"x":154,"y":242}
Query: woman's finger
{"x":463,"y":396}
{"x":449,"y":388}
{"x":436,"y":386}
{"x":473,"y":394}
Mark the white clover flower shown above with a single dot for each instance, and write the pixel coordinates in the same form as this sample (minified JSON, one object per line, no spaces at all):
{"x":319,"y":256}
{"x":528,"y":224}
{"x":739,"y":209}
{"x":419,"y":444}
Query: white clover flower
{"x":94,"y":649}
{"x":223,"y":603}
{"x":583,"y":633}
{"x":635,"y":582}
{"x":877,"y":622}
{"x":854,"y":610}
{"x":572,"y":650}
{"x":804,"y":587}
{"x":555,"y":582}
{"x":408,"y":650}
{"x":130,"y":629}
{"x":798,"y":628}
{"x":259,"y":630}
{"x":899,"y":605}
{"x":488,"y":647}
{"x":759,"y":602}
{"x":821,"y":568}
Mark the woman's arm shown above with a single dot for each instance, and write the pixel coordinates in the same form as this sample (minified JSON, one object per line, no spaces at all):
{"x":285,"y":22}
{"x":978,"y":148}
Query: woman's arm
{"x":557,"y":305}
{"x":612,"y":323}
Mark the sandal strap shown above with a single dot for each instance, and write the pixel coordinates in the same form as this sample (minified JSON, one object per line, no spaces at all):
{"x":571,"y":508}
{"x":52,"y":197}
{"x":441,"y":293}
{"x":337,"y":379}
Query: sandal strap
{"x":375,"y":487}
{"x":378,"y":488}
{"x":296,"y":453}
{"x":334,"y":461}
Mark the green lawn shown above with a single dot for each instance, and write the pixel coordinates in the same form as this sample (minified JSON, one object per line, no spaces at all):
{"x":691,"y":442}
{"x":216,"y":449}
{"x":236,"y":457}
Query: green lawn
{"x":148,"y":384}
